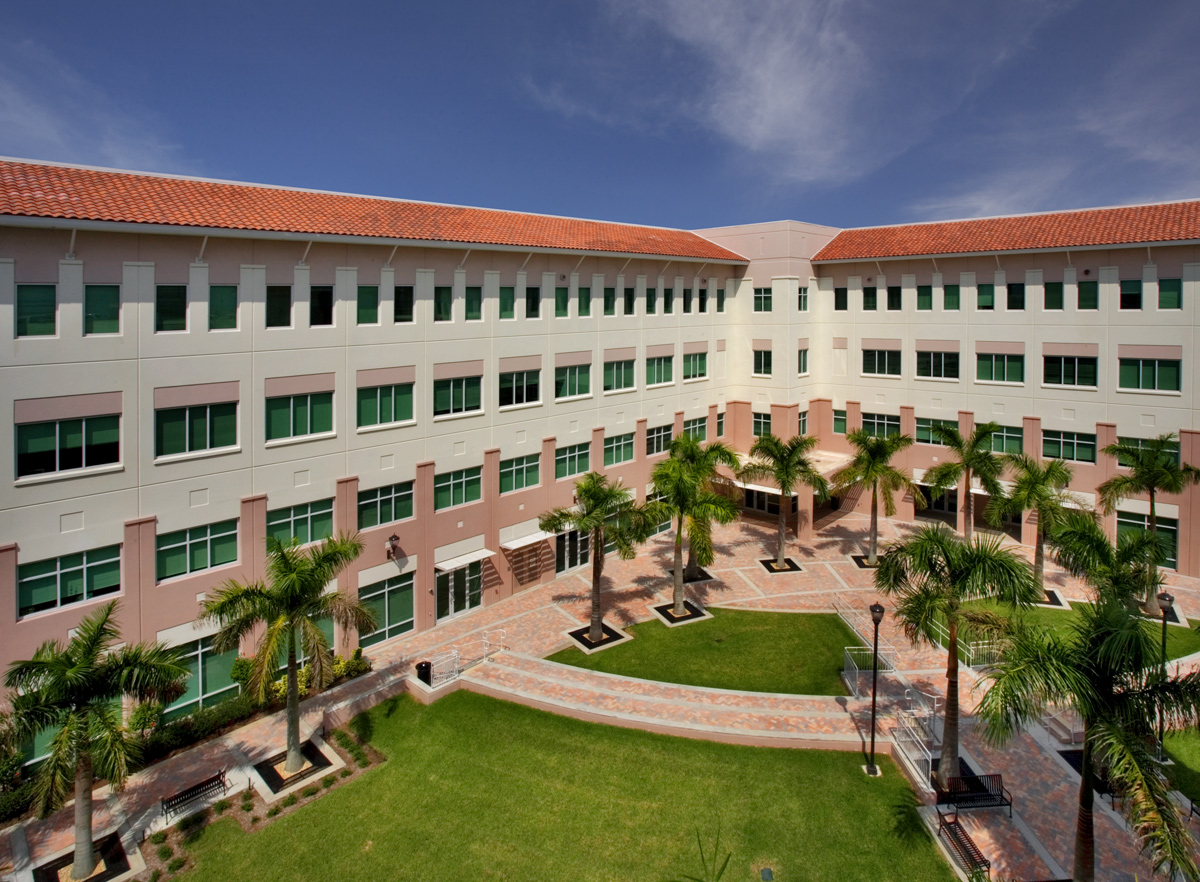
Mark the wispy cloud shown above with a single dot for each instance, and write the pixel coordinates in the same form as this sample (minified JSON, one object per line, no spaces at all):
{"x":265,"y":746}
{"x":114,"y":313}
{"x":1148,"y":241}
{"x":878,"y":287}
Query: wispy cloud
{"x":49,"y":111}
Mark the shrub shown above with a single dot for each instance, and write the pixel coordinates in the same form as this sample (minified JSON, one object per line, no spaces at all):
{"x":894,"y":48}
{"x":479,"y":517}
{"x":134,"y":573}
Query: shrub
{"x":182,"y":732}
{"x":290,"y":800}
{"x":248,"y":806}
{"x":352,"y":747}
{"x":347,"y":668}
{"x":165,"y":852}
{"x":145,"y":717}
{"x":272,"y":811}
{"x":254,"y":819}
{"x":328,"y":781}
{"x":159,"y":837}
{"x":311,"y":790}
{"x":221,"y":806}
{"x":346,"y":773}
{"x":241,"y":671}
{"x":176,"y":865}
{"x":278,"y":690}
{"x":14,"y":803}
{"x":192,"y":823}
{"x":155,"y":876}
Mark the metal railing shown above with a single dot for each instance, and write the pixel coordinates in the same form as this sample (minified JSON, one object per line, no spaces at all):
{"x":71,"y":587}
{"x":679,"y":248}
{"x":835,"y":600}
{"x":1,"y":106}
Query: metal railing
{"x":859,"y":621}
{"x":910,"y":741}
{"x":1065,"y":722}
{"x":857,"y":668}
{"x":924,"y":710}
{"x":450,"y":663}
{"x":973,"y":654}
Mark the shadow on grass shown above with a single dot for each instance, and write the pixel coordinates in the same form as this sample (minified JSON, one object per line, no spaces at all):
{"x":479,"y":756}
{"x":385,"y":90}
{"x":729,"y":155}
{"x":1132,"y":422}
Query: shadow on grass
{"x":907,"y":825}
{"x":192,"y":827}
{"x":363,"y":726}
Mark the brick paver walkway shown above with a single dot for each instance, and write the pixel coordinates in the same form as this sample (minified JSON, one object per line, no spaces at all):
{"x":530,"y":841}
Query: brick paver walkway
{"x":1035,"y":844}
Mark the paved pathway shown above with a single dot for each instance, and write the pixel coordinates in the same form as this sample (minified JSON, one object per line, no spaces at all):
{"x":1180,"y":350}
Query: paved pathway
{"x":1035,"y":844}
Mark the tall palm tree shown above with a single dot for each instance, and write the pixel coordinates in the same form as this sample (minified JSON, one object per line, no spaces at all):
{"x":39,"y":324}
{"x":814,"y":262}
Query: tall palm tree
{"x":683,"y":493}
{"x":603,"y":510}
{"x":973,"y":459}
{"x":931,"y":576}
{"x":705,"y":460}
{"x":289,"y":604}
{"x":872,"y":468}
{"x":1109,"y":668}
{"x":1038,"y":486}
{"x":787,"y":464}
{"x":74,"y":689}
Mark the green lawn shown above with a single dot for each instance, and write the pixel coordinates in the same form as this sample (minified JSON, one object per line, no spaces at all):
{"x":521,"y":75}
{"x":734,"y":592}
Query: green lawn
{"x":1184,"y":748}
{"x":798,"y":653}
{"x":479,"y":789}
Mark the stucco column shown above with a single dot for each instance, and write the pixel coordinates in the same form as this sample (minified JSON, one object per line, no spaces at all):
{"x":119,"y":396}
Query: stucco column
{"x":491,"y":528}
{"x":423,"y":582}
{"x":966,"y":425}
{"x":739,"y":425}
{"x":345,"y":520}
{"x":785,"y":420}
{"x":137,"y":574}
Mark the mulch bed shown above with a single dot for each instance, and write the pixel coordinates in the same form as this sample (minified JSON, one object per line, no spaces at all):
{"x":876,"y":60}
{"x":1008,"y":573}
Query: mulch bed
{"x":610,"y":636}
{"x":667,"y":611}
{"x":789,"y":566}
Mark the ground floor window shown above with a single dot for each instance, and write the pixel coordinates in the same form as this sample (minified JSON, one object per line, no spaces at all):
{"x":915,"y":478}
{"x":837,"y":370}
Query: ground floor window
{"x":759,"y":500}
{"x":1168,"y":533}
{"x":459,"y":590}
{"x":208,"y":681}
{"x":392,"y":602}
{"x":570,"y":550}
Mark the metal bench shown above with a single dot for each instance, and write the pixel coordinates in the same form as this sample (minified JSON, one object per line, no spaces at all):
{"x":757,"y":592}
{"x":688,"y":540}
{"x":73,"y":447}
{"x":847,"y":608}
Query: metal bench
{"x":976,"y":791}
{"x":173,"y":805}
{"x":963,"y":846}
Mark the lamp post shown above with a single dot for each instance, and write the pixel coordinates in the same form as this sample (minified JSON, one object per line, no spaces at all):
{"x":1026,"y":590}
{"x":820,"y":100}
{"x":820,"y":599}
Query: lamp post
{"x":1164,"y":603}
{"x":876,"y":617}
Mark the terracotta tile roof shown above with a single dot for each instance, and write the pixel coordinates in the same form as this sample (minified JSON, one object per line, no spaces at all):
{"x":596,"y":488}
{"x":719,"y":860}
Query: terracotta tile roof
{"x":53,"y":191}
{"x":1133,"y":224}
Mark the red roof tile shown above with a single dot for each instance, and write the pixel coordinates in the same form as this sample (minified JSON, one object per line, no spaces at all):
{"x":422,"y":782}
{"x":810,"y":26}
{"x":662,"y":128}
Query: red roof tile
{"x":1133,"y":224}
{"x":52,"y":191}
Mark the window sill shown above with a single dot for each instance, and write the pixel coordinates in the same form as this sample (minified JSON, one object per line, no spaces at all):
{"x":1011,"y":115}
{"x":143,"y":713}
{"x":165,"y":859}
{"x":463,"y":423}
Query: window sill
{"x":448,"y":417}
{"x":508,"y":408}
{"x":1013,"y":385}
{"x":1167,"y":393}
{"x":883,"y":376}
{"x":86,"y":472}
{"x":608,"y":392}
{"x":383,"y":427}
{"x":70,"y":605}
{"x":568,"y":399}
{"x":169,"y":580}
{"x":938,"y":379}
{"x":266,"y":328}
{"x":650,"y":386}
{"x":300,"y":439}
{"x":196,"y":454}
{"x":106,"y":334}
{"x":761,"y":376}
{"x":695,"y":380}
{"x":1065,"y":386}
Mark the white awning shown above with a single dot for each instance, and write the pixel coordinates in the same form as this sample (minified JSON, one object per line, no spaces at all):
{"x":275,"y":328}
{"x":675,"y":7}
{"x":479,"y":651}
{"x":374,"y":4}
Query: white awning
{"x":462,"y":560}
{"x":760,"y":488}
{"x":525,"y":541}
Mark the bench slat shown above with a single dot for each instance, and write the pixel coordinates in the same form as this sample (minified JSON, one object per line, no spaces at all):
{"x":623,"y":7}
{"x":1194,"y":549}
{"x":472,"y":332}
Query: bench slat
{"x":207,"y":787}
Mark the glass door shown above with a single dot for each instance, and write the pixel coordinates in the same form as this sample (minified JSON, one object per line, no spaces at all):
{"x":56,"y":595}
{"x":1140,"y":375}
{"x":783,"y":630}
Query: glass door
{"x":570,"y":551}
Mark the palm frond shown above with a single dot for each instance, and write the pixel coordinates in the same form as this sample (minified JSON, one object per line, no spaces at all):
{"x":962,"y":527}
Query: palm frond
{"x":317,"y":652}
{"x":111,"y":749}
{"x":56,"y":773}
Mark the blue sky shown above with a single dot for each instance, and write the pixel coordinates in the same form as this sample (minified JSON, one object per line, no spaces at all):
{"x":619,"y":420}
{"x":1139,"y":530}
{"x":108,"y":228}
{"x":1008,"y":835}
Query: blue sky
{"x":684,"y":113}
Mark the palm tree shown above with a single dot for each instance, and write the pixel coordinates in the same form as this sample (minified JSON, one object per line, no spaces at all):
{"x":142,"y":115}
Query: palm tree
{"x":603,"y":510}
{"x":74,"y":689}
{"x":705,"y":460}
{"x":974,"y":459}
{"x":1109,"y":668}
{"x":682,"y":491}
{"x":872,"y":467}
{"x":787,"y":464}
{"x":931,"y":576}
{"x":1038,"y":486}
{"x":289,"y":604}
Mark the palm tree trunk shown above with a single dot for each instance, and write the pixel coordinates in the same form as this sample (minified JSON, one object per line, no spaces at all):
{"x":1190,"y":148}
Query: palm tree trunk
{"x":294,"y":760}
{"x":677,"y":595}
{"x":1039,"y":556}
{"x":85,"y":859}
{"x":968,"y":507}
{"x":596,"y":622}
{"x":781,"y":546}
{"x":692,"y":570}
{"x":948,"y":764}
{"x":1085,"y":829}
{"x":873,"y":540}
{"x":1149,"y":605}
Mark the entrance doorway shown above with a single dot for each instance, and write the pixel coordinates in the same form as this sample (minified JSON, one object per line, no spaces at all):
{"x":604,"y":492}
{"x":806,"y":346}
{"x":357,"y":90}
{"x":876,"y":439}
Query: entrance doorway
{"x":459,"y":590}
{"x":570,"y":551}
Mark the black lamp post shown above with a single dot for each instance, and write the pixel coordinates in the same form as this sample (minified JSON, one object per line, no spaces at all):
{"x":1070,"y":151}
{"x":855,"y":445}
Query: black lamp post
{"x":876,"y":617}
{"x":1164,"y":603}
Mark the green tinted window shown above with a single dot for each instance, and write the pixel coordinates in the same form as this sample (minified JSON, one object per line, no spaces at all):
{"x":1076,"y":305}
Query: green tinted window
{"x":222,"y":307}
{"x":986,"y":296}
{"x":279,"y":306}
{"x":1054,"y":295}
{"x":35,"y":310}
{"x":443,"y":303}
{"x":924,"y":297}
{"x":474,"y":303}
{"x":508,"y":302}
{"x":1170,"y":294}
{"x":368,"y":304}
{"x":402,"y":306}
{"x":102,"y":309}
{"x":950,"y":298}
{"x":1089,"y":295}
{"x":585,"y":301}
{"x":562,"y":302}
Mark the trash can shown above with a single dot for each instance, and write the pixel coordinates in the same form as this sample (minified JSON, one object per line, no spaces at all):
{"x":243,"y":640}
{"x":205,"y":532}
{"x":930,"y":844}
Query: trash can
{"x":425,"y":672}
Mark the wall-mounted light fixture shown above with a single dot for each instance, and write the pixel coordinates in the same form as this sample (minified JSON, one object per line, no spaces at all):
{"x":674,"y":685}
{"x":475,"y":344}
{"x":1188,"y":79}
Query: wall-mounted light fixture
{"x":393,"y":547}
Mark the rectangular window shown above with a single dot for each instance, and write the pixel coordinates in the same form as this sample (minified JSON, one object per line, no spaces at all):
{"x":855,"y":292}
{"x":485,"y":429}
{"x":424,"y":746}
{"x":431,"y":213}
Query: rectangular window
{"x":520,"y":387}
{"x":1130,"y":523}
{"x":306,"y":522}
{"x":803,"y":427}
{"x":1170,"y":294}
{"x":802,"y":299}
{"x":1054,"y":296}
{"x":703,"y":300}
{"x":1071,"y":370}
{"x":199,"y":548}
{"x":802,"y":361}
{"x":610,"y":301}
{"x":762,"y":424}
{"x":1008,"y":439}
{"x":392,"y":602}
{"x":630,"y":301}
{"x":64,"y":445}
{"x":170,"y":308}
{"x":320,"y":307}
{"x":279,"y":306}
{"x":870,"y":299}
{"x":209,"y":679}
{"x":572,"y":381}
{"x":696,"y":429}
{"x":382,"y":505}
{"x":658,"y":370}
{"x":658,"y":440}
{"x":1000,"y":368}
{"x":618,"y":375}
{"x":292,"y":416}
{"x":1076,"y":446}
{"x":1089,"y":295}
{"x":687,"y":300}
{"x":457,"y":488}
{"x":841,"y":301}
{"x":443,"y":303}
{"x":36,"y":307}
{"x":950,"y":298}
{"x":924,"y":298}
{"x":762,"y":300}
{"x":942,"y":365}
{"x":1016,"y":295}
{"x":721,"y":424}
{"x":572,"y":460}
{"x":651,"y":301}
{"x":668,"y":301}
{"x":881,"y":425}
{"x":720,"y":300}
{"x":925,"y":433}
{"x":986,"y":296}
{"x":1131,"y":294}
{"x":585,"y":302}
{"x":368,"y":305}
{"x":102,"y":308}
{"x":380,"y":405}
{"x":618,"y":449}
{"x":195,"y":428}
{"x":895,"y":295}
{"x":762,"y":362}
{"x":222,"y":307}
{"x":508,"y":302}
{"x":695,"y":365}
{"x":839,"y":422}
{"x":58,"y":581}
{"x":474,"y":303}
{"x":1161,"y":374}
{"x":562,"y":302}
{"x":457,"y":395}
{"x":402,"y":307}
{"x":881,"y":362}
{"x":1124,"y":462}
{"x":519,"y":473}
{"x":533,"y":302}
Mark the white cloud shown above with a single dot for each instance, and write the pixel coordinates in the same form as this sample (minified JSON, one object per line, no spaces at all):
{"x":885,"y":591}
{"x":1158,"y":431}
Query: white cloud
{"x":1010,"y":191}
{"x":48,"y":111}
